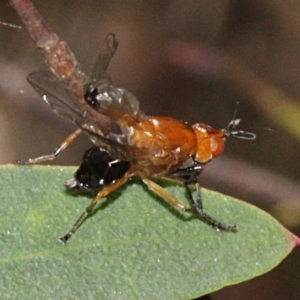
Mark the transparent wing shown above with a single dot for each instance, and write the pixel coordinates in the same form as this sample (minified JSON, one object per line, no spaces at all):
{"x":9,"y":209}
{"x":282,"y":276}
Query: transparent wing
{"x":116,"y":103}
{"x":101,"y":125}
{"x":55,"y":94}
{"x":102,"y":130}
{"x":102,"y":96}
{"x":62,"y":101}
{"x":106,"y":53}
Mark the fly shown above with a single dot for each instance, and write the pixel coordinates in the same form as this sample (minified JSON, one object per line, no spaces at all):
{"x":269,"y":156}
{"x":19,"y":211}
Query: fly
{"x":127,"y":142}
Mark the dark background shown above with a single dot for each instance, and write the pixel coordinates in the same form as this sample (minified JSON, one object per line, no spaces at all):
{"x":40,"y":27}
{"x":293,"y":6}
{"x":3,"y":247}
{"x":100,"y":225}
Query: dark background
{"x":263,"y":38}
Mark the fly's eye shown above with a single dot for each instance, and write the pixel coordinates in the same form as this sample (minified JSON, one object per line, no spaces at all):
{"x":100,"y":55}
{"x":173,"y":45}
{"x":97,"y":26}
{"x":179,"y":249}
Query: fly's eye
{"x":217,"y":145}
{"x":90,"y":96}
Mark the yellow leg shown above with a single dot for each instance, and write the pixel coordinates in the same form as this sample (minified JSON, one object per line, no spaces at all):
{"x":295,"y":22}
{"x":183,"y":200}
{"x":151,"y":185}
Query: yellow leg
{"x":55,"y":153}
{"x":195,"y":209}
{"x":157,"y":189}
{"x":103,"y":193}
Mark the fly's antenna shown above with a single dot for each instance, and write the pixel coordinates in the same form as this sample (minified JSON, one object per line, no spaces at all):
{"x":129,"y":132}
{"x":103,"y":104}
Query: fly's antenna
{"x":240,"y":134}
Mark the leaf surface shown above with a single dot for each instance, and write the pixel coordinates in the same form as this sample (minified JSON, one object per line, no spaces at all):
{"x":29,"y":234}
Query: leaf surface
{"x":134,"y":247}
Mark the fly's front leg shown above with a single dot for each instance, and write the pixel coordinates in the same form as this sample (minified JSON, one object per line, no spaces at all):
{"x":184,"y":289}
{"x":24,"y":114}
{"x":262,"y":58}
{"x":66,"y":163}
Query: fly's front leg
{"x":55,"y":153}
{"x":197,"y":208}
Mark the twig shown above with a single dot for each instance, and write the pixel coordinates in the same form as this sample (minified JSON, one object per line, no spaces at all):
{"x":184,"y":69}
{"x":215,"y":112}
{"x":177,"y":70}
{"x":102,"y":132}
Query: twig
{"x":59,"y":57}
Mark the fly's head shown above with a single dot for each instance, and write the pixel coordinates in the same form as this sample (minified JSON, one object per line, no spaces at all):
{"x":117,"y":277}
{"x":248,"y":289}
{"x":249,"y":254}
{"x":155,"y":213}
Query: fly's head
{"x":211,"y":142}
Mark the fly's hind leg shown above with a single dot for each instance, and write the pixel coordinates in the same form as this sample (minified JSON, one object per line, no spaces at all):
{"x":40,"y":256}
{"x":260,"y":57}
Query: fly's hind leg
{"x":196,"y":207}
{"x":88,"y":211}
{"x":55,"y":153}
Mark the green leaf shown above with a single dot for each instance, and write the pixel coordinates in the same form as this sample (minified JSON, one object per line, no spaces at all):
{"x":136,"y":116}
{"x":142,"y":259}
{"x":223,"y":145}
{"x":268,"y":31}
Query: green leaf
{"x":134,"y":247}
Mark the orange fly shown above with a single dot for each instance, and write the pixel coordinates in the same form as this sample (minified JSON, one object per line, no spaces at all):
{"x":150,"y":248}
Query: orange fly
{"x":126,"y":141}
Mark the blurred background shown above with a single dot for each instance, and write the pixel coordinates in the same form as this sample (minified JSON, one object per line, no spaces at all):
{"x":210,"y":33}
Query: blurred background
{"x":193,"y":60}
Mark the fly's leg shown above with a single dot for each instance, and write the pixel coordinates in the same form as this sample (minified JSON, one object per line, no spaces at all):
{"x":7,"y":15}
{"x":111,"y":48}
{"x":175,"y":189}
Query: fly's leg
{"x":157,"y":189}
{"x":189,"y":175}
{"x":88,"y":211}
{"x":196,"y":207}
{"x":55,"y":153}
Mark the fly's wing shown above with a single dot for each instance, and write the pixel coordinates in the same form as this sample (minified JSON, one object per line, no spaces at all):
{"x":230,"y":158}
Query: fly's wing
{"x":103,"y":131}
{"x":56,"y":95}
{"x":116,"y":103}
{"x":106,"y":53}
{"x":101,"y":125}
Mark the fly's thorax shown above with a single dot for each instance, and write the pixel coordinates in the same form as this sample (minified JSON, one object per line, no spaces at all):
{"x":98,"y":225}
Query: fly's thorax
{"x":210,"y":142}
